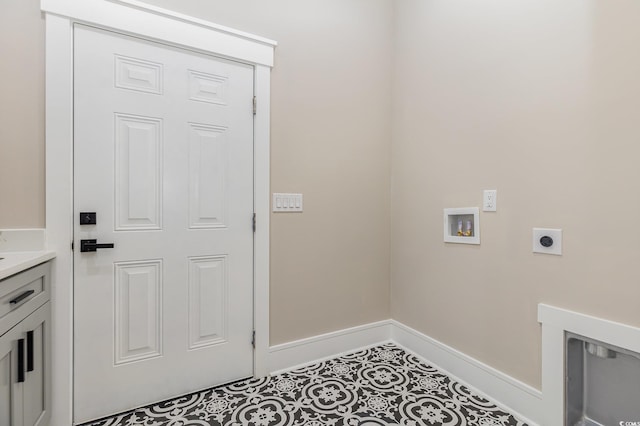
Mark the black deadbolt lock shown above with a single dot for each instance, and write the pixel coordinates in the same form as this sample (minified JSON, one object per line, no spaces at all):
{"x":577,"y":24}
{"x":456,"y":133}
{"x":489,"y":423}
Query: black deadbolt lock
{"x":546,"y":241}
{"x":87,"y":218}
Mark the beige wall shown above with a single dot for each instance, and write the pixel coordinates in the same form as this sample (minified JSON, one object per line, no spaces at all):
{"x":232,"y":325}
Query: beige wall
{"x":539,"y":99}
{"x":21,"y":114}
{"x":330,"y":133}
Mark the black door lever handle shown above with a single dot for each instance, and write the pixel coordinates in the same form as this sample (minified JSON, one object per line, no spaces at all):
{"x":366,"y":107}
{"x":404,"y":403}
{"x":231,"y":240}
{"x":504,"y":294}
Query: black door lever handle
{"x":92,"y":245}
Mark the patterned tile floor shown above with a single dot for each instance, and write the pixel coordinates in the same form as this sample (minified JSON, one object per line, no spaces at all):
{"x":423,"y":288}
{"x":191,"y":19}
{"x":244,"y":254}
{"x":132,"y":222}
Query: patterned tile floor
{"x":383,"y":385}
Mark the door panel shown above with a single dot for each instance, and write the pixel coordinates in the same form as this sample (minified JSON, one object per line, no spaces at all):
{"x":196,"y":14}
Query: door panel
{"x":5,"y":383}
{"x":163,"y":153}
{"x":208,"y":310}
{"x":36,"y":400}
{"x":207,"y":199}
{"x":8,"y":393}
{"x":11,"y":391}
{"x":138,"y":316}
{"x":138,"y":170}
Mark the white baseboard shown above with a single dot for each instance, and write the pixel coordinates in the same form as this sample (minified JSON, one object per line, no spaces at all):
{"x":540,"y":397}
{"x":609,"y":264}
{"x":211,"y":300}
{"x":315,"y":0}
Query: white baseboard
{"x":289,"y":356}
{"x":509,"y":393}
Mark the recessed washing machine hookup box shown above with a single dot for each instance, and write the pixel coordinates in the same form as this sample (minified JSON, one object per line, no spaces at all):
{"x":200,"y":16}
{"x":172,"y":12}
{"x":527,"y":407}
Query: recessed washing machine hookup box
{"x":462,"y":225}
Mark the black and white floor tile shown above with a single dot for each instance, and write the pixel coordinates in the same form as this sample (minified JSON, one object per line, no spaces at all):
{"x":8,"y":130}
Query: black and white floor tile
{"x":379,"y":386}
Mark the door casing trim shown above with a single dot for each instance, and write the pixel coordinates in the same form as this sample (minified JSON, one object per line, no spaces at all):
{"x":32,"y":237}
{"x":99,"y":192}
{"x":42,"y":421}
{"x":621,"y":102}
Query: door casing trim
{"x":170,"y":28}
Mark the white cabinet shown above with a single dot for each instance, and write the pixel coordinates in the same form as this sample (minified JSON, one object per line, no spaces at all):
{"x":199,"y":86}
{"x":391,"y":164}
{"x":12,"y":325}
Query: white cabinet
{"x":25,"y":399}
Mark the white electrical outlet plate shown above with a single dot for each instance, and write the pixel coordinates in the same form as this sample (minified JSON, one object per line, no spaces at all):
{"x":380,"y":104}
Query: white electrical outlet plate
{"x":555,"y":246}
{"x":489,"y":200}
{"x":283,"y":203}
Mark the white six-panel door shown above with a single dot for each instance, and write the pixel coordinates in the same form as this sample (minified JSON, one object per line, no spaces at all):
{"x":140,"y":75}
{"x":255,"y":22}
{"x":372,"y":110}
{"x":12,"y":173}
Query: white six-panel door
{"x":163,"y":153}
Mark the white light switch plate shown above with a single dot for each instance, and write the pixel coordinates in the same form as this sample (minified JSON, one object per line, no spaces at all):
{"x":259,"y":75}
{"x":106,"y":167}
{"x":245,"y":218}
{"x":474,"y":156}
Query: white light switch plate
{"x":556,"y":236}
{"x":283,"y":202}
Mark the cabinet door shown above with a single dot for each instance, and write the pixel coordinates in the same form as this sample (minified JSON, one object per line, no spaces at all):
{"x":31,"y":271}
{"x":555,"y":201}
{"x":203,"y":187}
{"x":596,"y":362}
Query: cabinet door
{"x":35,"y":331}
{"x":11,"y":407}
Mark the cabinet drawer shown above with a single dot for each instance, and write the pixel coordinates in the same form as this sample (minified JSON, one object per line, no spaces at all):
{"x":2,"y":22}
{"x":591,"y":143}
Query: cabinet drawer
{"x":22,"y":293}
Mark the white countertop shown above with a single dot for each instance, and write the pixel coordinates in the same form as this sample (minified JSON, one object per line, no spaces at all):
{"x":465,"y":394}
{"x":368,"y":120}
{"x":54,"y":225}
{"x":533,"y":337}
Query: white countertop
{"x":14,"y":262}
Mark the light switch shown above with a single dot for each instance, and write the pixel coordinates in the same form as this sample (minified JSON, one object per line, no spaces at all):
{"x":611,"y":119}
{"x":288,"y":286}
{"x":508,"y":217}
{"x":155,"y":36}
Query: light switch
{"x":283,"y":203}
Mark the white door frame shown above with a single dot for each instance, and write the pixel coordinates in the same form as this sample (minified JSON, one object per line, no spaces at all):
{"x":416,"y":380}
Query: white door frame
{"x":152,"y":23}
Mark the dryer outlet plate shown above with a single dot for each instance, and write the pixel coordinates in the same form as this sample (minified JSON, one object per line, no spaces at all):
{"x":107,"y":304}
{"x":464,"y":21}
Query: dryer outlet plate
{"x":555,"y":234}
